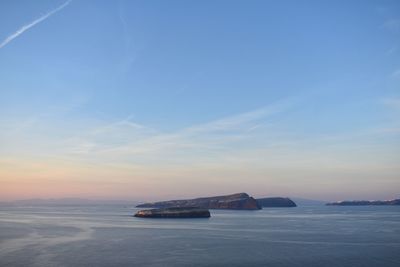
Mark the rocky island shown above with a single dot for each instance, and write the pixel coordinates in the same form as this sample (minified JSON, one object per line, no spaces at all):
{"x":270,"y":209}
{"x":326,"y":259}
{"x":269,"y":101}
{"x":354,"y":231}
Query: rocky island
{"x":183,"y":212}
{"x":239,"y":201}
{"x":365,"y":203}
{"x":276,"y":202}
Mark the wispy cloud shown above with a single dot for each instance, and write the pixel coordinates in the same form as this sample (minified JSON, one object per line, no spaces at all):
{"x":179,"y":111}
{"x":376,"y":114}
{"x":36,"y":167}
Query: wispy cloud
{"x":209,"y":137}
{"x":392,"y":24}
{"x":396,"y":73}
{"x":237,"y":121}
{"x":393,"y":102}
{"x":391,"y":50}
{"x":117,"y":125}
{"x":130,"y":47}
{"x":33,"y":23}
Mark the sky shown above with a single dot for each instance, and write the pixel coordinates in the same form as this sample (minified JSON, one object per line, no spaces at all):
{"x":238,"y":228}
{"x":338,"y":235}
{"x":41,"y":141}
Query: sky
{"x":151,"y":100}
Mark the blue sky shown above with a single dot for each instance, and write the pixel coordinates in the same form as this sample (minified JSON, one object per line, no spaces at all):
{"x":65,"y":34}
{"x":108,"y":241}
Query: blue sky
{"x":153,"y":99}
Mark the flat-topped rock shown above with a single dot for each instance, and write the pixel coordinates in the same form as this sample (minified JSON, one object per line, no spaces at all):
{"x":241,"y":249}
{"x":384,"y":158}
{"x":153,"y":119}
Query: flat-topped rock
{"x":177,"y":212}
{"x":240,"y":201}
{"x":276,"y":202}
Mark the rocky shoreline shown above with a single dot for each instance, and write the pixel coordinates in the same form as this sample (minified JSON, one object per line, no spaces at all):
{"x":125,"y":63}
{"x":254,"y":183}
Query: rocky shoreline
{"x":187,"y":212}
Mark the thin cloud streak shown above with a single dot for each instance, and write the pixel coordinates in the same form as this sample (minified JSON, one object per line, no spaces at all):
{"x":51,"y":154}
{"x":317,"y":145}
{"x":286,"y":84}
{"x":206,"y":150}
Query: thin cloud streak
{"x":33,"y":23}
{"x":236,"y":121}
{"x":210,"y":135}
{"x":393,"y":102}
{"x":396,"y":73}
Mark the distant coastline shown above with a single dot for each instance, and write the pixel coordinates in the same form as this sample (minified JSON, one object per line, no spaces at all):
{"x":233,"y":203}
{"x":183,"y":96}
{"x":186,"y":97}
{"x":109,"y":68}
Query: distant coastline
{"x":365,"y":203}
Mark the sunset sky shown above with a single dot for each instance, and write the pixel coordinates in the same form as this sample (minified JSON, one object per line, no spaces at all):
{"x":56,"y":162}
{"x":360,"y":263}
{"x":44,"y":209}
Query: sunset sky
{"x":148,"y":100}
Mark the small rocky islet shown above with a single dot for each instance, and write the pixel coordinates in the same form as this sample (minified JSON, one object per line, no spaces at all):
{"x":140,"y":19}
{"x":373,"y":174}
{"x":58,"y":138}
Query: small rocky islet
{"x":276,"y":202}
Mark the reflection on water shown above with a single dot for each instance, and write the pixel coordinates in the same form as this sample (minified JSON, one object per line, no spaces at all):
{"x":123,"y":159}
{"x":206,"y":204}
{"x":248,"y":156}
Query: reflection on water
{"x":110,"y":236}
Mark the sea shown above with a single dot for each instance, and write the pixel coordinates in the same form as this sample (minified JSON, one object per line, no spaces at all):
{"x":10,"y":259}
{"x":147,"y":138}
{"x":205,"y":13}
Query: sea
{"x":108,"y":235}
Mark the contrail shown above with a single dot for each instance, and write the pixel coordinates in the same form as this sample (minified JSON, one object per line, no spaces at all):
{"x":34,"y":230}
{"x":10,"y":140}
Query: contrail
{"x":30,"y":25}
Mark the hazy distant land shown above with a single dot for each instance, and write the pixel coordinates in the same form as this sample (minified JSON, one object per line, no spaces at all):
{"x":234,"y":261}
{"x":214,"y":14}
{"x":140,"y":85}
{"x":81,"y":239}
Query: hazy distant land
{"x":365,"y":203}
{"x":67,"y":202}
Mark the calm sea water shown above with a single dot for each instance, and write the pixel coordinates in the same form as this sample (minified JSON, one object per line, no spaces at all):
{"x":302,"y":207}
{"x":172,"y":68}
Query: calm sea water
{"x":110,"y":236}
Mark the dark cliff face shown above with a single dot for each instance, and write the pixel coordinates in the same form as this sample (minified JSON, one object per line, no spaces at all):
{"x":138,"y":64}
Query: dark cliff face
{"x":366,"y":203}
{"x":276,"y":202}
{"x":188,"y":212}
{"x":240,"y":201}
